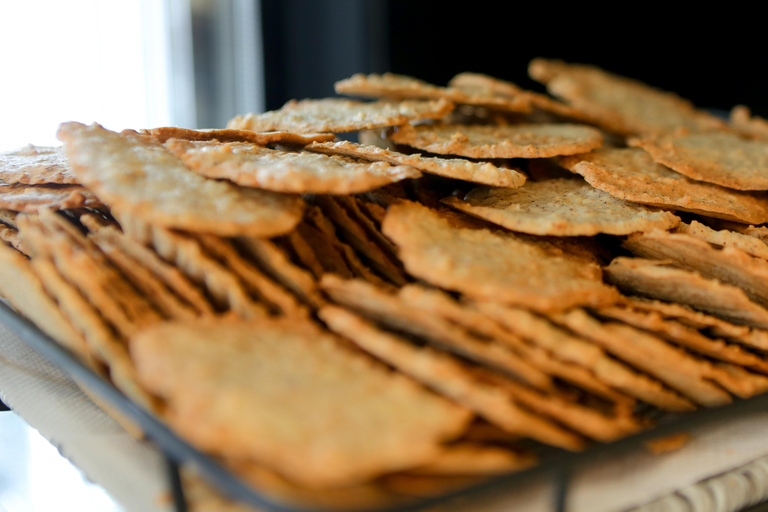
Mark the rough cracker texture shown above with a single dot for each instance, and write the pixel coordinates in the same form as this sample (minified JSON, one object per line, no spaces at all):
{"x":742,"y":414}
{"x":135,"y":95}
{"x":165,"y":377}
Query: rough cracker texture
{"x":632,"y":174}
{"x":251,"y":165}
{"x":725,"y":238}
{"x":657,"y":280}
{"x":491,"y":265}
{"x":742,"y":120}
{"x":228,"y":135}
{"x":30,"y":198}
{"x":456,"y":168}
{"x":721,"y":158}
{"x":279,"y":393}
{"x":560,"y":207}
{"x":337,"y":115}
{"x":391,"y":85}
{"x":511,"y":141}
{"x":136,"y":176}
{"x":36,"y":165}
{"x":617,"y":103}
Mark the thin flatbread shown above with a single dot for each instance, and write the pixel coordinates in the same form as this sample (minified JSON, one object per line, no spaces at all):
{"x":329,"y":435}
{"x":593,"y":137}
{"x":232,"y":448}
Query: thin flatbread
{"x":725,"y":238}
{"x":633,"y":175}
{"x":136,"y":176}
{"x":31,"y":198}
{"x":36,"y":165}
{"x":560,"y":207}
{"x":289,"y":392}
{"x":228,"y":135}
{"x":456,"y":168}
{"x":338,"y":115}
{"x":722,"y":158}
{"x":251,"y":165}
{"x":742,"y":120}
{"x":510,"y":141}
{"x":617,"y":103}
{"x":491,"y":265}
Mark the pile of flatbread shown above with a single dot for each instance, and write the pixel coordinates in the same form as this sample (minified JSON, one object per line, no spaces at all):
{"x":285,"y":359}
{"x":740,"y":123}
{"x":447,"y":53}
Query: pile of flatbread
{"x":488,"y":275}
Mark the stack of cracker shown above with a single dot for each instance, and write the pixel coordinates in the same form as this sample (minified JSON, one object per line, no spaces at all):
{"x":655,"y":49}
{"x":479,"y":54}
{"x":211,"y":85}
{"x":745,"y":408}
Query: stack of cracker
{"x":490,"y":274}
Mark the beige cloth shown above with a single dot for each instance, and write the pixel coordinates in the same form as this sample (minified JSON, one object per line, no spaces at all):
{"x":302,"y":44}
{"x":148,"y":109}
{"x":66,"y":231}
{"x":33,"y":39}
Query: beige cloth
{"x":133,"y":472}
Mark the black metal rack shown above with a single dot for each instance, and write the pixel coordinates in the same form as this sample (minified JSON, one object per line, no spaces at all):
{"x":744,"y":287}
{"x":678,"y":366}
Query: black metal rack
{"x":557,"y":465}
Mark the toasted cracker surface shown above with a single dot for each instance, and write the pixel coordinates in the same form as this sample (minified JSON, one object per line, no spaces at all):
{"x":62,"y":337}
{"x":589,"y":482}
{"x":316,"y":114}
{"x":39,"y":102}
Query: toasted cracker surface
{"x":137,"y":176}
{"x":511,"y":141}
{"x":491,"y":265}
{"x":36,"y":165}
{"x":633,"y":175}
{"x":252,"y":165}
{"x":467,"y":170}
{"x":338,"y":115}
{"x":722,"y":158}
{"x":230,"y":135}
{"x":297,"y":412}
{"x":619,"y":104}
{"x":560,"y":207}
{"x":30,"y":198}
{"x":742,"y":120}
{"x":725,"y":238}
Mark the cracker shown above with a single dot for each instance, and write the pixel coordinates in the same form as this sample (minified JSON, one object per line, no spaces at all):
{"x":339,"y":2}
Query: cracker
{"x":391,"y":85}
{"x":658,"y":280}
{"x":36,"y":165}
{"x":474,"y":459}
{"x":742,"y":120}
{"x":739,"y":381}
{"x":560,"y":207}
{"x":388,"y":309}
{"x":725,"y":238}
{"x":511,"y":141}
{"x":578,"y":351}
{"x":631,"y":174}
{"x":674,"y":367}
{"x":616,"y":103}
{"x":227,"y":135}
{"x":490,"y":265}
{"x":456,"y":168}
{"x":722,"y":158}
{"x":338,"y":115}
{"x":31,"y":198}
{"x":138,"y":177}
{"x":729,"y":265}
{"x":298,"y":414}
{"x":8,"y":217}
{"x":317,"y":252}
{"x":251,"y":165}
{"x":10,"y":236}
{"x":445,"y":375}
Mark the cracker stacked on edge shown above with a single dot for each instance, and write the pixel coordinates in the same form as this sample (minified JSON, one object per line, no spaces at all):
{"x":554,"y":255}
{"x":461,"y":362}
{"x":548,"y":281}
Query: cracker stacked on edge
{"x":488,"y":277}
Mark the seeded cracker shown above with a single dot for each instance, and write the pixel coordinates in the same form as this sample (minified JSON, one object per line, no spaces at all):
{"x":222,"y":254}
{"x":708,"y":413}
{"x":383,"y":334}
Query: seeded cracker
{"x":286,"y":413}
{"x":617,"y":103}
{"x":337,"y":115}
{"x":657,"y":280}
{"x":36,"y":165}
{"x":138,"y":177}
{"x":631,"y":174}
{"x":725,"y":238}
{"x":721,"y":158}
{"x":511,"y":141}
{"x":445,"y":375}
{"x":560,"y":207}
{"x":489,"y":265}
{"x":251,"y":165}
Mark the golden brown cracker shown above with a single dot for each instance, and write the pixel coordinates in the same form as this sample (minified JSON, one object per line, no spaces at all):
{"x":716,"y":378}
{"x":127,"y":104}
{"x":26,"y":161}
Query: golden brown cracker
{"x":512,"y":141}
{"x":30,"y":198}
{"x":338,"y":115}
{"x":474,"y":459}
{"x":725,"y":238}
{"x":228,"y":135}
{"x":138,"y":177}
{"x":36,"y":165}
{"x":560,"y":207}
{"x":742,"y":120}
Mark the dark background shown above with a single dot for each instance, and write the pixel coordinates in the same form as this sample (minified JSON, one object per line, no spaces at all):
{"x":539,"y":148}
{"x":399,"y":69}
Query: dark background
{"x":716,"y":57}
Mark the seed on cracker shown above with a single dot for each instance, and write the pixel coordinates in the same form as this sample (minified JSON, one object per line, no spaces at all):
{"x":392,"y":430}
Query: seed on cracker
{"x":722,"y":158}
{"x":511,"y":141}
{"x":658,"y":280}
{"x":616,"y":103}
{"x":251,"y":165}
{"x":36,"y":165}
{"x":136,"y":176}
{"x":632,"y":174}
{"x":290,"y":404}
{"x":456,"y":168}
{"x":338,"y":115}
{"x":228,"y":135}
{"x":391,"y":85}
{"x":30,"y":198}
{"x":447,"y":376}
{"x":560,"y":207}
{"x":491,"y":265}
